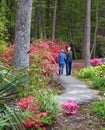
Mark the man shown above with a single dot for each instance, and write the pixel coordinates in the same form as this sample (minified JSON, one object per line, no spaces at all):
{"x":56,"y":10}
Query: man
{"x":68,"y":60}
{"x":61,"y":61}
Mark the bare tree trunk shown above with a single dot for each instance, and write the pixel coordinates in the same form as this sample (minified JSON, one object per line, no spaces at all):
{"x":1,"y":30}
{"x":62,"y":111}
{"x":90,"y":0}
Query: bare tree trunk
{"x":22,"y":34}
{"x":58,"y":17}
{"x":95,"y":34}
{"x":42,"y":19}
{"x":48,"y":18}
{"x":84,"y":42}
{"x":87,"y":33}
{"x":54,"y":20}
{"x":36,"y":23}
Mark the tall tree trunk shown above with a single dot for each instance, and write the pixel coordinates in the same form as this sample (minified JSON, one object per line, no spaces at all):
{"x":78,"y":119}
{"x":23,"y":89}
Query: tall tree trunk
{"x":95,"y":34}
{"x":54,"y":20}
{"x":22,"y":34}
{"x":36,"y":23}
{"x":48,"y":18}
{"x":87,"y":33}
{"x":58,"y":17}
{"x":42,"y":19}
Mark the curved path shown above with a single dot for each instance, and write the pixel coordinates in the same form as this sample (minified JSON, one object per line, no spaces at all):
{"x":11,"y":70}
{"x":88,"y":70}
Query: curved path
{"x":76,"y":90}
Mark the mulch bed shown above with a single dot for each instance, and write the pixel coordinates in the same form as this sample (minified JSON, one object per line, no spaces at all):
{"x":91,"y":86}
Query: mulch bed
{"x":78,"y":64}
{"x":83,"y":120}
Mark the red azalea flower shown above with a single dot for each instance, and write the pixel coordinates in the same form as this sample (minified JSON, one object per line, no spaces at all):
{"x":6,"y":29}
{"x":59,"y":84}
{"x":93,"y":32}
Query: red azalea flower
{"x":32,"y":108}
{"x":23,"y":104}
{"x":44,"y":128}
{"x":37,"y":125}
{"x":29,"y":124}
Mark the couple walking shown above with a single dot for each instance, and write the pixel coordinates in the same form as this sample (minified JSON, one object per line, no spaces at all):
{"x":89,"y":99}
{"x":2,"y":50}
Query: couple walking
{"x":65,"y":58}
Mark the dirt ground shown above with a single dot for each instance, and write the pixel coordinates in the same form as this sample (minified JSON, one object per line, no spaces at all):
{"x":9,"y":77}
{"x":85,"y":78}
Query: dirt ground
{"x":78,"y":64}
{"x":83,"y":120}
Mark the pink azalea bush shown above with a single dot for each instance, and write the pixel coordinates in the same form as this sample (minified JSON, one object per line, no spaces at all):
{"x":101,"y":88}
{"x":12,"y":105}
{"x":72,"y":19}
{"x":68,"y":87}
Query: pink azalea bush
{"x":32,"y":119}
{"x":44,"y":54}
{"x":70,"y":107}
{"x":95,"y":61}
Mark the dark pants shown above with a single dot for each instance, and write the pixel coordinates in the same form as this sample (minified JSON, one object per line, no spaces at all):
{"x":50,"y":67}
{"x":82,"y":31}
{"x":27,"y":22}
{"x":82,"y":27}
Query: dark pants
{"x":61,"y":67}
{"x":68,"y":66}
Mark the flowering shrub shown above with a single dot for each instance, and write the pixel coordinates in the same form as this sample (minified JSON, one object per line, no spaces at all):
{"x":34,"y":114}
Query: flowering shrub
{"x":70,"y":107}
{"x":95,"y":61}
{"x":34,"y":119}
{"x":42,"y":53}
{"x":7,"y":56}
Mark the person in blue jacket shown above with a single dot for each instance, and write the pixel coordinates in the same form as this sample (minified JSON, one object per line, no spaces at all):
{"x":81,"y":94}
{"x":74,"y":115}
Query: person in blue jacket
{"x":61,"y":61}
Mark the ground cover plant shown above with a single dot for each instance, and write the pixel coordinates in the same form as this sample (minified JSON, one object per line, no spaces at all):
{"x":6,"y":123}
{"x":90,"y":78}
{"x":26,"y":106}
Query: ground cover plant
{"x":38,"y":111}
{"x":94,"y":74}
{"x":29,"y":112}
{"x":9,"y":82}
{"x":42,"y":106}
{"x":99,"y":108}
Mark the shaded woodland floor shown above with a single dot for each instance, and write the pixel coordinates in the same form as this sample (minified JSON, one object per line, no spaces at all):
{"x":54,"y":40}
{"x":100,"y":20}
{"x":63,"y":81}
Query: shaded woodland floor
{"x":78,"y":64}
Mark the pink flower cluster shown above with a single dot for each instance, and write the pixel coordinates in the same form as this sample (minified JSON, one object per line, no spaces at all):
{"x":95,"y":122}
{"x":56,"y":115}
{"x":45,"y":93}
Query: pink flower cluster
{"x":46,"y":52}
{"x":70,"y":107}
{"x":95,"y":61}
{"x":32,"y":120}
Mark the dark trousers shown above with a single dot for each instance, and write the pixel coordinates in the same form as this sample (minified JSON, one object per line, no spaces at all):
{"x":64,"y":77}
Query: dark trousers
{"x":68,"y":66}
{"x":61,"y":67}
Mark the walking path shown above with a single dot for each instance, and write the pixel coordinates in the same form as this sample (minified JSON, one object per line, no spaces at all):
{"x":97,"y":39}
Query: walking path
{"x":76,"y":90}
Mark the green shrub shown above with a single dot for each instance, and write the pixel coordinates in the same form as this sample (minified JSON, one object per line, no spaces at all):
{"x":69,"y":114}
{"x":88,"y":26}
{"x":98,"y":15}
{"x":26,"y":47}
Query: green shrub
{"x":99,"y":83}
{"x":9,"y":82}
{"x":86,"y":73}
{"x":99,"y":108}
{"x":100,"y":70}
{"x":37,"y":80}
{"x":9,"y":118}
{"x":48,"y":102}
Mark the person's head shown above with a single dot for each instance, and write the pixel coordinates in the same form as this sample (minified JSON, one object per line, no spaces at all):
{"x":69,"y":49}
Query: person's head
{"x":69,"y":48}
{"x":62,"y":51}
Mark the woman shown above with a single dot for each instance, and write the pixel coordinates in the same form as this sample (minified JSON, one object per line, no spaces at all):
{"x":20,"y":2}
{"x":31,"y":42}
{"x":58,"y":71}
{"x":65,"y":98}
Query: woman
{"x":61,"y":62}
{"x":68,"y":60}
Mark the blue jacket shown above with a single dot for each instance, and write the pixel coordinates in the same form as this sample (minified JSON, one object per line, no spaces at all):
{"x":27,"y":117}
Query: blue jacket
{"x":61,"y":58}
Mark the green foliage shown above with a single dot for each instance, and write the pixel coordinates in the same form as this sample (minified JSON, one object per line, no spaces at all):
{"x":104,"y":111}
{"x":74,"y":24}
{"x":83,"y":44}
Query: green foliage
{"x":99,"y":78}
{"x":95,"y":74}
{"x":3,"y":30}
{"x":100,"y":70}
{"x":9,"y":118}
{"x":99,"y":108}
{"x":99,"y":83}
{"x":37,"y":80}
{"x":86,"y":73}
{"x":48,"y":102}
{"x":9,"y":82}
{"x":3,"y":25}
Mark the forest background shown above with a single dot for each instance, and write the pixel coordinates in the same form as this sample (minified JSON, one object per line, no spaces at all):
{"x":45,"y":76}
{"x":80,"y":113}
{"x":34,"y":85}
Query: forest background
{"x":58,"y":20}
